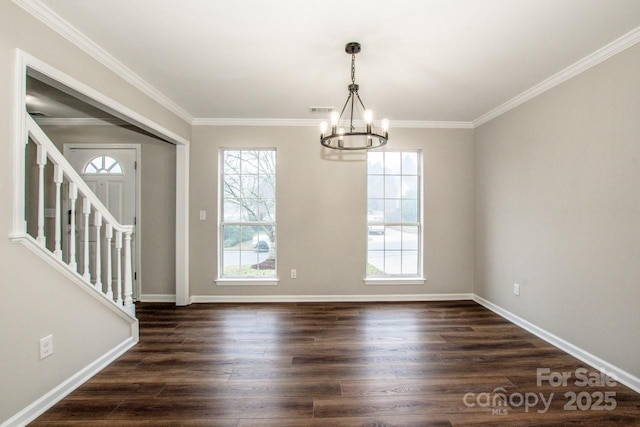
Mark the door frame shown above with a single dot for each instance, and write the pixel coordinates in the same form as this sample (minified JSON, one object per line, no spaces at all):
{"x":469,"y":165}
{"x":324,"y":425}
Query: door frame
{"x":67,"y":146}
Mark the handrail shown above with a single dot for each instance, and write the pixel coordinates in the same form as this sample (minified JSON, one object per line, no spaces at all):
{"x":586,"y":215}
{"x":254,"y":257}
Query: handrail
{"x":114,"y":237}
{"x":38,"y":135}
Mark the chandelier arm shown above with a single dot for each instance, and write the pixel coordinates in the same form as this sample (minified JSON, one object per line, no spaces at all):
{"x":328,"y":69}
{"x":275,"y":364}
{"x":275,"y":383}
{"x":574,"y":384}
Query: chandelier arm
{"x":353,"y":100}
{"x":344,"y":107}
{"x":361,"y":103}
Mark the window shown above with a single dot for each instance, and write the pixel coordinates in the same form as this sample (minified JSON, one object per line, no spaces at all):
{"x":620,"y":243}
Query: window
{"x":103,"y":164}
{"x":248,"y":214}
{"x":394,"y":214}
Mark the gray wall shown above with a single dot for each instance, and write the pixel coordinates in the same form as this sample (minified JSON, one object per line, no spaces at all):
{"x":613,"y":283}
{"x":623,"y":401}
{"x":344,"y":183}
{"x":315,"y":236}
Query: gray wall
{"x":157,"y":198}
{"x":37,"y":300}
{"x":322,"y":212}
{"x":558,"y":210}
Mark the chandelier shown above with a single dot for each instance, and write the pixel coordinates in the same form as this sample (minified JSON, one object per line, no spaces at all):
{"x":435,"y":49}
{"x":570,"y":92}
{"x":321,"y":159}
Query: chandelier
{"x":345,"y":135}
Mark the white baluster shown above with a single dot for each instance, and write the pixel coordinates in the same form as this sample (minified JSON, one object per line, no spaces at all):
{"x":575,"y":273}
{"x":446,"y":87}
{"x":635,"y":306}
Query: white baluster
{"x":41,"y":159}
{"x":57,"y":179}
{"x":108,"y":231}
{"x":119,"y":266}
{"x":97,"y":221}
{"x":128,"y":274}
{"x":73,"y":196}
{"x":86,"y":211}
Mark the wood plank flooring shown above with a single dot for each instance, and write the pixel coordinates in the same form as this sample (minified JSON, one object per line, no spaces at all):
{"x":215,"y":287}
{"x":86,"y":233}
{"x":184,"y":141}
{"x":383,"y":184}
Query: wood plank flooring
{"x":337,"y":364}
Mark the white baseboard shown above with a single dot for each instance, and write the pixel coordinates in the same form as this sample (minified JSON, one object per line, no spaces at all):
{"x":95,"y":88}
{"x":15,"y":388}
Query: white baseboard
{"x":329,"y":298}
{"x":52,"y":397}
{"x":621,"y":375}
{"x":157,"y":298}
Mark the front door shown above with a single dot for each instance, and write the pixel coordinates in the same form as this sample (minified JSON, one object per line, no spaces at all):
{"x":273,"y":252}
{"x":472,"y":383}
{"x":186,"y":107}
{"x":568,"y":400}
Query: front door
{"x":110,"y":172}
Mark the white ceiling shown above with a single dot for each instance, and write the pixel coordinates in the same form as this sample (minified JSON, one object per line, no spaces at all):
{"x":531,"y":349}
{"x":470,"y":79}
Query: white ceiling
{"x":422,"y":60}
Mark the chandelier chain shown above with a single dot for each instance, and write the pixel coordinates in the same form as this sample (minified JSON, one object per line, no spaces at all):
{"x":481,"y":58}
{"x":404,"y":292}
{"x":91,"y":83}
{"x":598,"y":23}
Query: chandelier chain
{"x":353,"y":68}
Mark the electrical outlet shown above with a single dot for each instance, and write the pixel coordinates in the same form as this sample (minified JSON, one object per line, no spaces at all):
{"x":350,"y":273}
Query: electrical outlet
{"x":203,"y":215}
{"x":46,"y":346}
{"x":294,"y":274}
{"x":516,"y":289}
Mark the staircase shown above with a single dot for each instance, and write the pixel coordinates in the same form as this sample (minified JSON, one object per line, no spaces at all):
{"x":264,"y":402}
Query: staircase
{"x":93,"y":248}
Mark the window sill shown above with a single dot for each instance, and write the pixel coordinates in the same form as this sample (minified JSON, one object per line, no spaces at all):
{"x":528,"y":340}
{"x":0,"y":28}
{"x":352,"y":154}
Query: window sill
{"x":394,"y":281}
{"x":249,"y":281}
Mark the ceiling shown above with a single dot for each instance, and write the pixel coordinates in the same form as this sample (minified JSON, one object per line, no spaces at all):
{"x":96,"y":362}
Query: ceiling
{"x":421,"y":60}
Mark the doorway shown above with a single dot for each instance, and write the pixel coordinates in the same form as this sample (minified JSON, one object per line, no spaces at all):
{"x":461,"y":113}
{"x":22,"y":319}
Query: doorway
{"x":112,"y":173}
{"x":29,"y":66}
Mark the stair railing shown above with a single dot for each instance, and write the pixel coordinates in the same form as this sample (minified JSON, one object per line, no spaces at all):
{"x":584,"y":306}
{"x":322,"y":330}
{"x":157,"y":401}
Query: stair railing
{"x":100,"y":232}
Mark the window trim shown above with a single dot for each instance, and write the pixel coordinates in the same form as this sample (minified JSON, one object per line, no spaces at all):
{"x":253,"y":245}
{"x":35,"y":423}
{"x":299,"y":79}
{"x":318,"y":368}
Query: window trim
{"x":401,"y":279}
{"x":249,"y":281}
{"x":222,"y":280}
{"x":394,"y":280}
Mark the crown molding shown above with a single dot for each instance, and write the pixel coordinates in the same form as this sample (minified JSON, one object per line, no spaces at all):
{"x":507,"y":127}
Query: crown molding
{"x":316,"y":122}
{"x":68,"y":31}
{"x":600,"y":55}
{"x":425,"y":124}
{"x":254,"y":122}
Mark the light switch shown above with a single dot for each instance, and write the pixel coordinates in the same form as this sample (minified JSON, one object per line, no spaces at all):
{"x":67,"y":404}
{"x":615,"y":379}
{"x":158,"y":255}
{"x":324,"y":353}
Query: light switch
{"x":203,"y":215}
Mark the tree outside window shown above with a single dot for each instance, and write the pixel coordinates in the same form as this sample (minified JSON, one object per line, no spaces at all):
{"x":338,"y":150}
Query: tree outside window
{"x":248,"y":206}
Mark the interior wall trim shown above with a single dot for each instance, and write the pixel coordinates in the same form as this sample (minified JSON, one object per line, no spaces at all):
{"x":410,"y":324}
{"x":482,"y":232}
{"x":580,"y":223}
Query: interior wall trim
{"x":37,"y":408}
{"x":69,"y":32}
{"x":600,"y":55}
{"x":328,"y":298}
{"x":621,"y":375}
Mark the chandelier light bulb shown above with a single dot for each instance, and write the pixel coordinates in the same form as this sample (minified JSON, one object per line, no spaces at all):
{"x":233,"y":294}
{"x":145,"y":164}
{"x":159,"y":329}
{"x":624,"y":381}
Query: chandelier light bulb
{"x":385,"y":127}
{"x":368,"y":116}
{"x":335,"y":116}
{"x":323,"y":128}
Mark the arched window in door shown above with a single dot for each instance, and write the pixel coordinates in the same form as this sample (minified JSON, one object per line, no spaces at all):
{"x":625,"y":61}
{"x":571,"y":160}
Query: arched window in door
{"x":103,"y":164}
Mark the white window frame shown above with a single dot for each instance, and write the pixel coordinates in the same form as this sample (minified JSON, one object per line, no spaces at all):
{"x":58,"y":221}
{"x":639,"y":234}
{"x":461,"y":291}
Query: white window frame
{"x":111,"y":170}
{"x":400,"y":279}
{"x":223,"y":280}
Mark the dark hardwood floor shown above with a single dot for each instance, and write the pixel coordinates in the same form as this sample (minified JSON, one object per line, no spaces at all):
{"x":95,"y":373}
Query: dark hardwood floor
{"x":347,"y":364}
